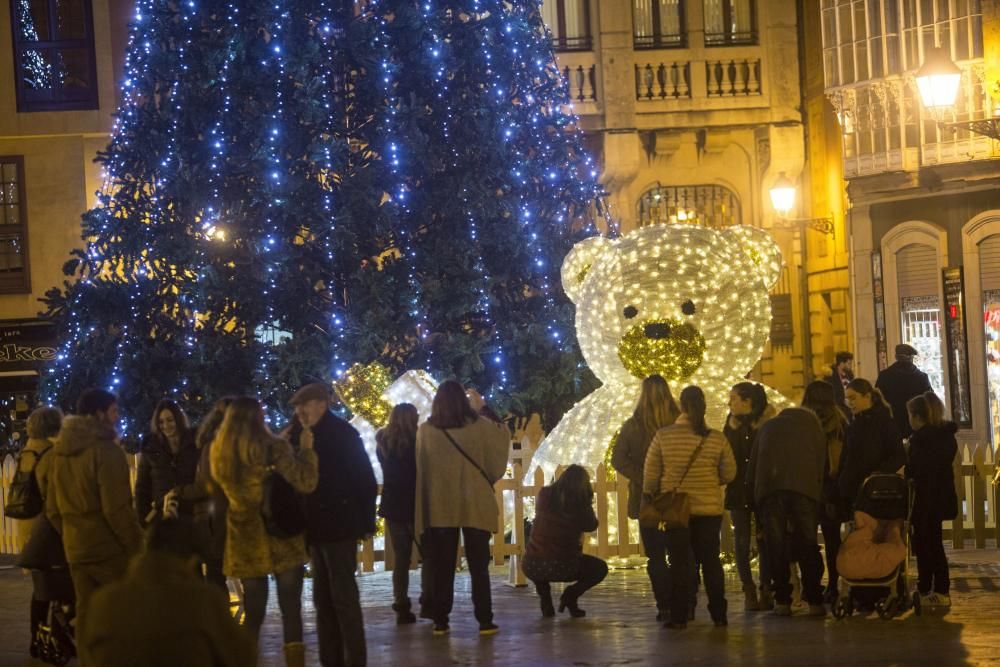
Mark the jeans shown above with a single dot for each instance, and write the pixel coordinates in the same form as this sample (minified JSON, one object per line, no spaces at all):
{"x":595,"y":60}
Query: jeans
{"x":781,"y":510}
{"x":655,"y":546}
{"x":401,"y":536}
{"x":743,"y":520}
{"x":289,"y":585}
{"x":699,"y":539}
{"x":932,"y":564}
{"x":590,"y":571}
{"x":440,"y":552}
{"x":831,"y":545}
{"x":340,"y":626}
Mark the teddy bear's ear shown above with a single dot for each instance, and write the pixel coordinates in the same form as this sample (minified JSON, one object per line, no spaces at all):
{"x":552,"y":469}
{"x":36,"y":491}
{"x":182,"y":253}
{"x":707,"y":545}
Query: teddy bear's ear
{"x":761,"y":251}
{"x":580,"y":259}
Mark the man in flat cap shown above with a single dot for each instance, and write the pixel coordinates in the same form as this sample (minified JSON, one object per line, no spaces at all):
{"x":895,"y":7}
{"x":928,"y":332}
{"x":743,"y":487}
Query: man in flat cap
{"x":339,"y":513}
{"x":899,"y":383}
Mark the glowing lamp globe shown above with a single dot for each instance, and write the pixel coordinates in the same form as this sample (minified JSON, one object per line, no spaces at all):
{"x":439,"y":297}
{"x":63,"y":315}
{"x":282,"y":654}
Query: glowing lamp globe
{"x":783,"y":195}
{"x":938,"y":80}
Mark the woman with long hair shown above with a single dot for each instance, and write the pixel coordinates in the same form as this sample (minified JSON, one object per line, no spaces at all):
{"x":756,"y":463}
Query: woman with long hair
{"x":460,"y":455}
{"x":872,"y":442}
{"x":656,"y":409}
{"x":243,"y":454}
{"x":748,"y":410}
{"x":564,"y":512}
{"x":168,"y":459}
{"x":692,"y":458}
{"x":207,"y":499}
{"x":396,"y":449}
{"x":821,"y":398}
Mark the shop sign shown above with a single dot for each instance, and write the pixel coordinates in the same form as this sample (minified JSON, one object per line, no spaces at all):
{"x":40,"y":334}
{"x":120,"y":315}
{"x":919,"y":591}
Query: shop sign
{"x":24,"y":346}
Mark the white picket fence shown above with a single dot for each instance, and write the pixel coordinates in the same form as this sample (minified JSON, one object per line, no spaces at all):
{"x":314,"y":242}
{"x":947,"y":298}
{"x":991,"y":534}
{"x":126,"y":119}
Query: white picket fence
{"x":617,"y":536}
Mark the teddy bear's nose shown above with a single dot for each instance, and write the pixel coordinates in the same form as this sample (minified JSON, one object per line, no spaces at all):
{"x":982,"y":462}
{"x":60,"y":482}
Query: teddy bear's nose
{"x":657,"y":330}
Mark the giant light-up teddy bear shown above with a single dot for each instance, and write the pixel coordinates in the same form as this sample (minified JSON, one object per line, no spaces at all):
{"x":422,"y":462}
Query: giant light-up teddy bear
{"x":689,"y":303}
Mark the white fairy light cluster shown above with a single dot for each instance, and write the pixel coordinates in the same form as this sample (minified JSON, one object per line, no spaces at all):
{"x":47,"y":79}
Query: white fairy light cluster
{"x":685,"y":302}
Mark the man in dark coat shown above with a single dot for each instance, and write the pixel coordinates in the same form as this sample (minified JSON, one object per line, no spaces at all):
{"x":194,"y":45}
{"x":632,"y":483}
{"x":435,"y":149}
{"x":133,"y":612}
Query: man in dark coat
{"x":841,"y":373}
{"x":785,"y":478}
{"x":339,"y":512}
{"x":899,"y":383}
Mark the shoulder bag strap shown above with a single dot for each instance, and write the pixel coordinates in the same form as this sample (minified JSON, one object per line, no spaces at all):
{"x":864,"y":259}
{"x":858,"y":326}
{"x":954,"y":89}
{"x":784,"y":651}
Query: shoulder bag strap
{"x":467,"y":457}
{"x":694,"y":455}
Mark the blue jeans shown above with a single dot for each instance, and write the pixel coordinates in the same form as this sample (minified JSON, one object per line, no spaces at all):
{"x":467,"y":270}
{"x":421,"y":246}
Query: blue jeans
{"x":742,"y":533}
{"x":781,"y":510}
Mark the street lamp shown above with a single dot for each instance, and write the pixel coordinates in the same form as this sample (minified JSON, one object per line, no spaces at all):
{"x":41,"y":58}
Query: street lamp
{"x":938,"y":80}
{"x":783,"y":200}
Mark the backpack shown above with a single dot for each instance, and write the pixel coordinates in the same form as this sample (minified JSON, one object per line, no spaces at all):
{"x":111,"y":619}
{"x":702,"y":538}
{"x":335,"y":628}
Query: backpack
{"x":24,"y":498}
{"x":282,"y":508}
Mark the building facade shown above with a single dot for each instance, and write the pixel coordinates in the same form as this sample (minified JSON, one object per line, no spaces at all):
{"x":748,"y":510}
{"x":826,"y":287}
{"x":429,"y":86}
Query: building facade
{"x":696,"y":109}
{"x":924,"y":211}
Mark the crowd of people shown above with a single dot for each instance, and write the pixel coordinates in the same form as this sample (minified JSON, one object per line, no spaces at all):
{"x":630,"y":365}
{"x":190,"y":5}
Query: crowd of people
{"x":231,"y":499}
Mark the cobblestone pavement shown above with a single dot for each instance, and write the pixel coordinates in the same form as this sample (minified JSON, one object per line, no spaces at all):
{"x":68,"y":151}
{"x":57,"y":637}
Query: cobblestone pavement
{"x":620,"y":629}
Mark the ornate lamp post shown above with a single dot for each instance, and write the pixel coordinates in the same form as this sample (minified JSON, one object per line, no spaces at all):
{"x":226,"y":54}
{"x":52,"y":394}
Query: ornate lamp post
{"x":938,"y":80}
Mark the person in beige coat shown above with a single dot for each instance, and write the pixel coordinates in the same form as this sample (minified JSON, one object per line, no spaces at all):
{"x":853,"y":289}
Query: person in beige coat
{"x":243,"y":454}
{"x":460,"y":455}
{"x":692,"y":458}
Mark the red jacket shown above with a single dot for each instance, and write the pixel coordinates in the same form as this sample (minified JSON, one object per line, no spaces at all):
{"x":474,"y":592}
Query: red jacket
{"x":559,"y":535}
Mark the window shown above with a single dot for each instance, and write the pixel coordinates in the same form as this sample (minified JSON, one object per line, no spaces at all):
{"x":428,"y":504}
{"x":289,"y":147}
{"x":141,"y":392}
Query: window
{"x":14,"y":277}
{"x":569,"y":23}
{"x":54,"y":62}
{"x":705,"y":205}
{"x":730,"y":22}
{"x":658,"y":24}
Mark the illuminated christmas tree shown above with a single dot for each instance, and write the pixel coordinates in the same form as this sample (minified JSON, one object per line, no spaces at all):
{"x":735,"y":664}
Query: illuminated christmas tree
{"x":292,"y":189}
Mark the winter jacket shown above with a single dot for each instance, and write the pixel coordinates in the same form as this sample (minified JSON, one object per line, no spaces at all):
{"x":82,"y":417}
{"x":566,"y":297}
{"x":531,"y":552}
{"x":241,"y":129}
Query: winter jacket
{"x":399,"y":479}
{"x":558,"y":535}
{"x":160,"y":470}
{"x":872,"y":444}
{"x":38,"y":462}
{"x":451,"y":493}
{"x":899,"y":383}
{"x":342,"y":507}
{"x":250,"y":550}
{"x":161,"y":614}
{"x":741,"y":435}
{"x":668,"y":456}
{"x":89,"y":499}
{"x":209,"y":504}
{"x":628,"y":456}
{"x":789,"y":455}
{"x":931,"y":457}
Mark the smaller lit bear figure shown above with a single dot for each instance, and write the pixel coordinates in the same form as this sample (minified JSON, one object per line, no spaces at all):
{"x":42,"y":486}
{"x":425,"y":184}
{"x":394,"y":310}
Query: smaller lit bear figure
{"x":685,"y":302}
{"x":370,"y":393}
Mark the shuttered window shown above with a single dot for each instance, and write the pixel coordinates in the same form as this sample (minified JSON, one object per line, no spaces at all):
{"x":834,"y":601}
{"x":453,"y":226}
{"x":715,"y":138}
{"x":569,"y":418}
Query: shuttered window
{"x":989,"y":262}
{"x":917,"y":271}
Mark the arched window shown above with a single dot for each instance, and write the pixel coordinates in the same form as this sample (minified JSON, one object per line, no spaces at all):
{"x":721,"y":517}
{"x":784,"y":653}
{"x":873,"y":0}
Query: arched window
{"x":705,"y":205}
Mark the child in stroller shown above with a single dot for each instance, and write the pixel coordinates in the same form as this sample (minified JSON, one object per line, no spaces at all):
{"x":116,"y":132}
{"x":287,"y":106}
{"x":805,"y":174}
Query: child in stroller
{"x":872,"y":561}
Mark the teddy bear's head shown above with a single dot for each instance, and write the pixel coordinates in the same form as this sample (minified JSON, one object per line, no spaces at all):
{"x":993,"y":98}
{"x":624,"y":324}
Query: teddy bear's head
{"x":673,"y":300}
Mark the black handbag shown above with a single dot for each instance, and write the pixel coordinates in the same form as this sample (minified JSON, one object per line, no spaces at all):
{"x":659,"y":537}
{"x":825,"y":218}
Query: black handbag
{"x":24,"y":498}
{"x":44,"y":549}
{"x":281,"y":508}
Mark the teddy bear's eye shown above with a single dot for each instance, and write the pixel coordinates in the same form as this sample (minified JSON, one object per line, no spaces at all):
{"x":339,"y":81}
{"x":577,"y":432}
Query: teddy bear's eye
{"x":688,"y":307}
{"x":630,"y":312}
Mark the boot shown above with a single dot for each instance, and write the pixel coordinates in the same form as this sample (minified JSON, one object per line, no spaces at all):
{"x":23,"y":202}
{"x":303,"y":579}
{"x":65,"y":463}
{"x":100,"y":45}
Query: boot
{"x":545,"y":600}
{"x":295,"y":654}
{"x":403,"y":614}
{"x":750,"y":602}
{"x":766,"y":600}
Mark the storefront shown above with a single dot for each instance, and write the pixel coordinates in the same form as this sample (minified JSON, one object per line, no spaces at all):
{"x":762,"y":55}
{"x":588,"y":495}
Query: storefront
{"x":25,"y":347}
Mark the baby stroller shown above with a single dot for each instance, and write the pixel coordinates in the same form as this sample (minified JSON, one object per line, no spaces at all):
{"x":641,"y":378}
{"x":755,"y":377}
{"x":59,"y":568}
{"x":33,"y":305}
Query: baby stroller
{"x":873,"y":560}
